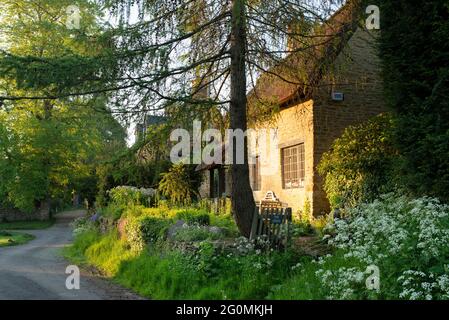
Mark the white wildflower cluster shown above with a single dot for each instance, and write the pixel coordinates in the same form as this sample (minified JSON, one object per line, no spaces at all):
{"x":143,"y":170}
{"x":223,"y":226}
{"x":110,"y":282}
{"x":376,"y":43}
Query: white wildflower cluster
{"x":245,"y":246}
{"x":397,"y":233}
{"x":297,"y":266}
{"x":127,"y":194}
{"x":148,"y":192}
{"x":341,"y":284}
{"x":81,"y":225}
{"x":418,"y":285}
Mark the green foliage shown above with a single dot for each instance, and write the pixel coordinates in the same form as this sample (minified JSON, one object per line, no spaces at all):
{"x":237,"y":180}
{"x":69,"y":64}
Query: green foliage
{"x":153,"y":229}
{"x":302,"y":228}
{"x":307,"y":211}
{"x":113,"y":211}
{"x":416,"y":82}
{"x":140,"y":166}
{"x":43,"y":158}
{"x":361,"y":163}
{"x":180,"y":184}
{"x":144,"y":229}
{"x":48,"y":147}
{"x":225,"y":222}
{"x":192,"y":216}
{"x":83,"y":241}
{"x":107,"y":252}
{"x":406,"y":238}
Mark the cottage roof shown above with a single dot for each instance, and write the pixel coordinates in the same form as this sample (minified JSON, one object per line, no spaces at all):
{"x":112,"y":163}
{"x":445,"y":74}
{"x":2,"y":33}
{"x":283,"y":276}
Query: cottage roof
{"x":295,"y":77}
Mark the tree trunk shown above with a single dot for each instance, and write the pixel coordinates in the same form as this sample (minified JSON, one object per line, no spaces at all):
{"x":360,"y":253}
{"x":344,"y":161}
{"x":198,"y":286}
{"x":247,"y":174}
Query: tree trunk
{"x":241,"y":193}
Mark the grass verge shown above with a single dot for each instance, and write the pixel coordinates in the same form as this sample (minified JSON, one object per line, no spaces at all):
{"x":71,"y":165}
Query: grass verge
{"x":27,"y":225}
{"x":165,"y":273}
{"x":14,"y":238}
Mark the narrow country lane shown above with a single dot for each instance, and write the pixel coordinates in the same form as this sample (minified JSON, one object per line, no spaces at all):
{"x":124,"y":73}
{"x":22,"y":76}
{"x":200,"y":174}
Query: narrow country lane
{"x":36,"y":270}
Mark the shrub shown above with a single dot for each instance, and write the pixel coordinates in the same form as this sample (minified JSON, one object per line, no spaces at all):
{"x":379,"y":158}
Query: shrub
{"x":416,"y":88}
{"x":360,"y":164}
{"x":302,"y":229}
{"x":180,"y":184}
{"x":154,"y":229}
{"x":304,"y":223}
{"x":225,"y":222}
{"x":113,"y":211}
{"x":193,"y":216}
{"x":144,"y":229}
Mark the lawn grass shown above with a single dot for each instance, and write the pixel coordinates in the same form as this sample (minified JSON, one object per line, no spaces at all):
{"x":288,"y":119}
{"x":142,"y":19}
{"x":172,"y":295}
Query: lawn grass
{"x":14,"y":238}
{"x":27,"y":225}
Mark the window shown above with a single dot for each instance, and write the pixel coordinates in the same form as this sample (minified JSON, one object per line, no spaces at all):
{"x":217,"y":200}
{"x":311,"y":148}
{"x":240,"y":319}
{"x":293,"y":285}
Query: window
{"x":256,"y":176}
{"x":293,"y":169}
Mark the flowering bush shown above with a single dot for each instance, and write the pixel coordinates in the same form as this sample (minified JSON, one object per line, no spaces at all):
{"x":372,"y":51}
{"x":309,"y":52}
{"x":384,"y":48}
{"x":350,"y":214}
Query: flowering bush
{"x":82,"y":225}
{"x":407,"y":239}
{"x":126,"y":195}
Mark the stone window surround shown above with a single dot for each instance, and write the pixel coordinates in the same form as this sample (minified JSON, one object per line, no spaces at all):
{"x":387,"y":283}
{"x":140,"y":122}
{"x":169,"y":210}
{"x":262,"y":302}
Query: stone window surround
{"x":256,"y":177}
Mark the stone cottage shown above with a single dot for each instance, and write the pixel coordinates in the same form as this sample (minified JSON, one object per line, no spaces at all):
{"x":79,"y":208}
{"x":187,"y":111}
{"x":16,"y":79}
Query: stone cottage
{"x":317,"y":93}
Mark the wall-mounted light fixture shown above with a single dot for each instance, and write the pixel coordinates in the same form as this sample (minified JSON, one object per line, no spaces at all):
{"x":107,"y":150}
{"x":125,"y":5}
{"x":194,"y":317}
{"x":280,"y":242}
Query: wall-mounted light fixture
{"x":338,"y":96}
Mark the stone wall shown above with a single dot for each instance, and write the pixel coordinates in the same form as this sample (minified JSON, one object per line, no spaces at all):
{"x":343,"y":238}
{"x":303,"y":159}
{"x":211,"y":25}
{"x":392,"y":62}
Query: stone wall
{"x":12,"y":214}
{"x":293,"y":126}
{"x":356,"y":73}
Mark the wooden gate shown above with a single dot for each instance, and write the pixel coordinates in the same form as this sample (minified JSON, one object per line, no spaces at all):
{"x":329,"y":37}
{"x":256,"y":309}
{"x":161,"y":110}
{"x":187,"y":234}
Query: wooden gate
{"x":273,"y":223}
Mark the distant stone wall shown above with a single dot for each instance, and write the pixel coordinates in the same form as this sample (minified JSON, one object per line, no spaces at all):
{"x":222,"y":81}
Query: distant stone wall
{"x":12,"y":214}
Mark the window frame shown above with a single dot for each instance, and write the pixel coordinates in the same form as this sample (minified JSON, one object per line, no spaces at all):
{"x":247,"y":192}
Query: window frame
{"x":300,"y":167}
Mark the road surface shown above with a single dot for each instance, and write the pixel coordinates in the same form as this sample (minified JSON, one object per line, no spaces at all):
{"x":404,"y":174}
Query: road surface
{"x":36,"y":270}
